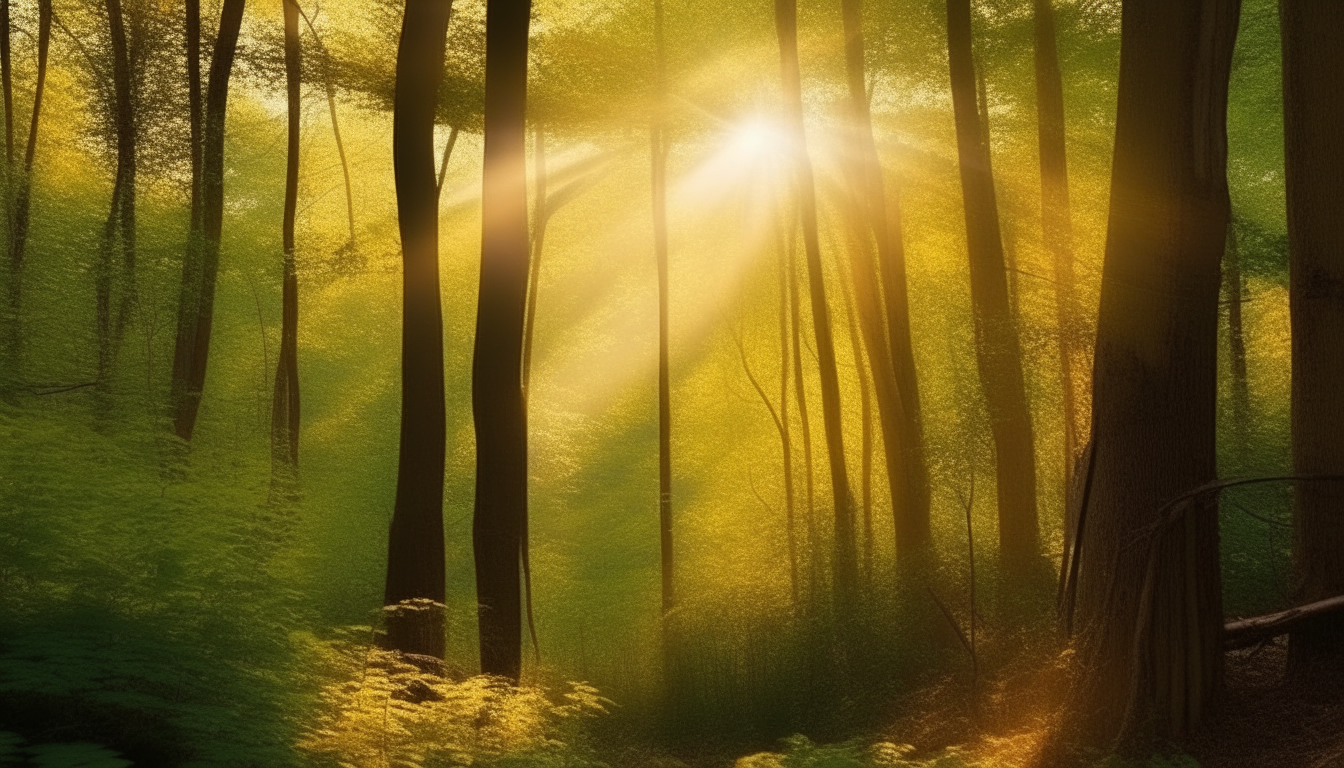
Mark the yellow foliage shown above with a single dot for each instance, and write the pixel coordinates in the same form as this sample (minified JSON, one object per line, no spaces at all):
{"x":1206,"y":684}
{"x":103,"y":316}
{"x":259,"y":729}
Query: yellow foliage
{"x":380,"y":711}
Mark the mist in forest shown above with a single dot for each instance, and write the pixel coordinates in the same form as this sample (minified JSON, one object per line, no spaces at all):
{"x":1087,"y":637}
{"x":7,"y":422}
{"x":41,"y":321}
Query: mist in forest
{"x":672,"y":383}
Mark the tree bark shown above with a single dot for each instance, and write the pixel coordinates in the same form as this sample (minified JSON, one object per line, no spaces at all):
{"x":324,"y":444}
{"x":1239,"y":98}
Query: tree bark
{"x":415,"y":552}
{"x":201,"y":265}
{"x":845,"y":565}
{"x":659,"y":150}
{"x":22,"y":204}
{"x":998,"y":353}
{"x":1056,"y":219}
{"x":285,"y":403}
{"x":1313,"y":54}
{"x":1149,"y":598}
{"x":885,"y":315}
{"x":498,"y":403}
{"x":121,"y":215}
{"x":785,"y":433}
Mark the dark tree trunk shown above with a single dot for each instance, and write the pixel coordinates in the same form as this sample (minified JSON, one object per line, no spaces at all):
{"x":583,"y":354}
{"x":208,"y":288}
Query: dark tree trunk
{"x":190,"y":290}
{"x":1149,"y":598}
{"x":1056,"y":220}
{"x":415,"y":551}
{"x":200,"y":268}
{"x":22,"y":204}
{"x":7,"y":87}
{"x":866,"y":433}
{"x":845,"y":565}
{"x":497,"y":395}
{"x":805,"y":423}
{"x":121,"y":214}
{"x":998,"y":353}
{"x":1313,"y":57}
{"x":285,"y":403}
{"x":659,"y":150}
{"x":885,"y":316}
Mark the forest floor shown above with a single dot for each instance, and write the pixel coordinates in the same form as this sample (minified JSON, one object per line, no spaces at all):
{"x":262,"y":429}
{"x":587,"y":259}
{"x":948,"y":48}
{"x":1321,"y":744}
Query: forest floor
{"x":1267,"y":722}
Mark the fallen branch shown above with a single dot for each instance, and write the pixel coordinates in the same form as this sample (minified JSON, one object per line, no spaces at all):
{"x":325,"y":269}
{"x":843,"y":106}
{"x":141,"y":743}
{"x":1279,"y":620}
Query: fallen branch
{"x":1245,"y":633}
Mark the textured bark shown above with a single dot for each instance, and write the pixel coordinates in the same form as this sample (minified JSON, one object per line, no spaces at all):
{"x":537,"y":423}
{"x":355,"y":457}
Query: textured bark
{"x":22,"y":204}
{"x":498,"y":403}
{"x":1057,"y":224}
{"x":845,"y":564}
{"x":659,"y":149}
{"x":885,"y":314}
{"x":1149,"y":600}
{"x":285,"y":402}
{"x":200,"y":268}
{"x":1313,"y":55}
{"x":415,"y":552}
{"x":998,"y":352}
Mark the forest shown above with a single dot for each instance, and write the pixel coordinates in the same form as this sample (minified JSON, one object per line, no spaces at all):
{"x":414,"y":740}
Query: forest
{"x":672,"y":383}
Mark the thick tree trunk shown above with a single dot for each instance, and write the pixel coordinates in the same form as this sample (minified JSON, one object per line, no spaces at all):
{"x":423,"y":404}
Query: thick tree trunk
{"x":415,"y":551}
{"x":201,"y":265}
{"x":1313,"y":57}
{"x":1056,"y":219}
{"x":22,"y":204}
{"x":285,"y":403}
{"x":659,"y":151}
{"x":885,"y":315}
{"x":845,"y":565}
{"x":497,"y":395}
{"x":998,"y":353}
{"x":1149,"y":599}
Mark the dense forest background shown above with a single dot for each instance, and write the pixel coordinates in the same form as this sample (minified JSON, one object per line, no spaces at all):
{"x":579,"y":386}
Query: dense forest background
{"x":166,"y":601}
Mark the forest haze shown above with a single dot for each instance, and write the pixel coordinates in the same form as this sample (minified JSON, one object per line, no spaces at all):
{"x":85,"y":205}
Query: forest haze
{"x":672,"y":383}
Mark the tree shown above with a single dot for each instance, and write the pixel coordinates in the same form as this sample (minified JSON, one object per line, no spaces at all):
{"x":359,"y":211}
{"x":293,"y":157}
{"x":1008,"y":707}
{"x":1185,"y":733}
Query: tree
{"x":22,"y":204}
{"x":285,"y":403}
{"x":998,"y":352}
{"x":498,"y":404}
{"x":885,"y":315}
{"x":1149,"y":599}
{"x":415,"y":588}
{"x":200,"y":266}
{"x":845,"y":564}
{"x":121,"y":216}
{"x":1056,"y":221}
{"x":659,"y":147}
{"x":1313,"y":52}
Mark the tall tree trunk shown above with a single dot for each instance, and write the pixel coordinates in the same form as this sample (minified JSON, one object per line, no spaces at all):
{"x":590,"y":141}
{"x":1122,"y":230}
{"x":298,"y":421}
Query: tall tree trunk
{"x":22,"y":204}
{"x":1149,"y":588}
{"x":415,"y":551}
{"x":866,"y":433}
{"x":998,"y":353}
{"x":885,"y":316}
{"x":190,"y":290}
{"x":1056,"y":220}
{"x":121,"y":215}
{"x":805,"y":422}
{"x":201,"y":266}
{"x":659,"y":151}
{"x":497,"y":395}
{"x":845,"y":564}
{"x":785,"y":433}
{"x":1313,"y":54}
{"x":285,"y":403}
